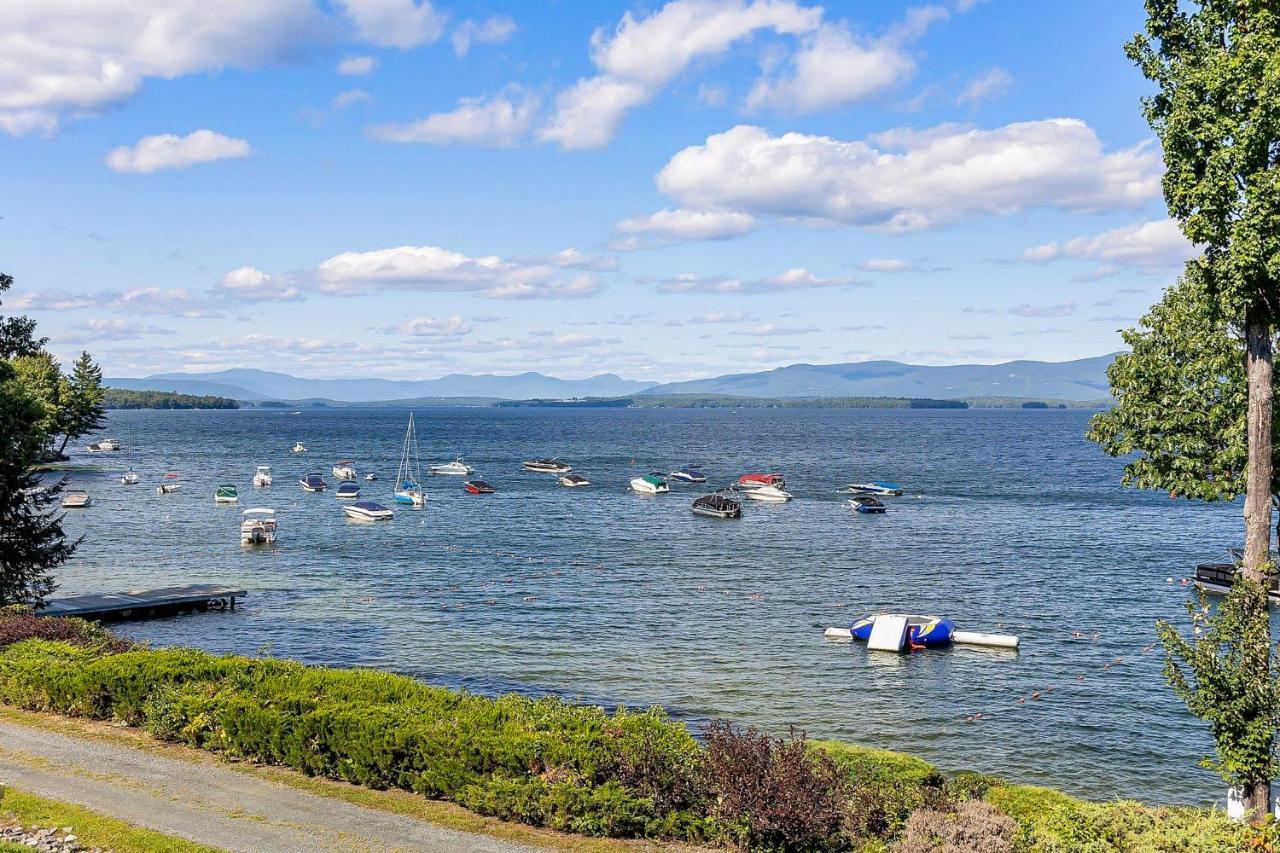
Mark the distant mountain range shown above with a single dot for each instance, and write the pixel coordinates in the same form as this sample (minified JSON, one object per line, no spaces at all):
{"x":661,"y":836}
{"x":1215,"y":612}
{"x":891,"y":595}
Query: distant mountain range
{"x":1083,"y":379}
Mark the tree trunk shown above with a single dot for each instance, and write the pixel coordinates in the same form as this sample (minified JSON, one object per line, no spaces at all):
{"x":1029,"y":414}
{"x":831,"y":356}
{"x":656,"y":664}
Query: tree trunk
{"x":1257,"y":503}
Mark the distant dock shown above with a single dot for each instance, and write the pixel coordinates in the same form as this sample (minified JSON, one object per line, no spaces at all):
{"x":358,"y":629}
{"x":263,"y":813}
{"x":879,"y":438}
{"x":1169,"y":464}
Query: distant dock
{"x":145,"y":603}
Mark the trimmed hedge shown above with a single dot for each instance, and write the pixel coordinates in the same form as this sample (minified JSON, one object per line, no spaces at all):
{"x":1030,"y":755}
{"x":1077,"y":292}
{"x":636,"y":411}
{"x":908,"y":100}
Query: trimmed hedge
{"x":578,"y":769}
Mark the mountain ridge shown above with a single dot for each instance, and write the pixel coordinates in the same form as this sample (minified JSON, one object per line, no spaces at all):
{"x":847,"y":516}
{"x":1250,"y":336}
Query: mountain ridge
{"x":1078,"y":379}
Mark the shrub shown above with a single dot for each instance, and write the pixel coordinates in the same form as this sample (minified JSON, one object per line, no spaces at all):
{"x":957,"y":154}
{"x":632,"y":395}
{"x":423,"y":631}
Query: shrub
{"x":974,"y":827}
{"x":774,"y":793}
{"x":19,"y":623}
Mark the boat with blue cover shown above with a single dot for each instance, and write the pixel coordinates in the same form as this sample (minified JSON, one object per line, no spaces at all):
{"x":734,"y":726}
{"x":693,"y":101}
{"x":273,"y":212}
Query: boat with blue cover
{"x":866,"y":504}
{"x":689,"y":474}
{"x":930,"y":632}
{"x":884,"y":488}
{"x":312,"y":482}
{"x":348,"y":490}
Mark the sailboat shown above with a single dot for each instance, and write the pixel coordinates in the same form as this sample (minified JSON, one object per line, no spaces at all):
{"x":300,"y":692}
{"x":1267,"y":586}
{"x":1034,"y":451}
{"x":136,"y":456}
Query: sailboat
{"x":409,"y":474}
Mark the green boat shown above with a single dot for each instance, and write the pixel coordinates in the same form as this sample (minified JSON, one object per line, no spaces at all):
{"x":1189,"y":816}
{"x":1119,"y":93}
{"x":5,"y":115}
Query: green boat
{"x":226,"y":494}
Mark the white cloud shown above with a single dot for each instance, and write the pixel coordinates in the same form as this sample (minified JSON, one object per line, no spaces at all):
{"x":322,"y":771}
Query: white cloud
{"x":576,"y":259}
{"x":832,"y":68}
{"x":395,"y":23}
{"x":354,"y":66}
{"x":796,"y":278}
{"x":711,"y":95}
{"x":112,"y":330}
{"x":991,"y":83}
{"x":173,"y":302}
{"x":499,"y":122}
{"x":493,"y":30}
{"x":669,"y":226}
{"x":771,"y":330}
{"x":167,"y":151}
{"x":1064,"y":309}
{"x":351,"y":96}
{"x":57,"y":300}
{"x":885,"y":265}
{"x":642,"y":55}
{"x":71,"y":57}
{"x":1150,"y":245}
{"x":432,"y":327}
{"x":255,"y":285}
{"x":908,"y":180}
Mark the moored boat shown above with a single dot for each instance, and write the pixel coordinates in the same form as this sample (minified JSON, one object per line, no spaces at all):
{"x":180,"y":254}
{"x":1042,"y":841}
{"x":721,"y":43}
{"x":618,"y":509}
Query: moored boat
{"x":106,"y":444}
{"x":370,"y":477}
{"x":688,"y":474}
{"x":345,"y":470}
{"x":1217,"y":578}
{"x":408,"y":489}
{"x":768,"y":494}
{"x":298,"y":446}
{"x":759,"y":481}
{"x":75,"y":499}
{"x":867,"y":504}
{"x":347,"y":490}
{"x":169,"y":484}
{"x":478,"y":487}
{"x":546,"y":466}
{"x":573,"y":480}
{"x":262,"y":476}
{"x":129,"y":478}
{"x":717,"y":506}
{"x":650,"y":484}
{"x":367,"y":511}
{"x":312,"y":482}
{"x":226,"y":494}
{"x":258,"y":526}
{"x":883,"y":488}
{"x":456,"y":468}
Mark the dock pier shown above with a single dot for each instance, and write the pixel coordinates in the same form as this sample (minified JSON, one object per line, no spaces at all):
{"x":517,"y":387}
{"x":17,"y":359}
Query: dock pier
{"x":145,"y":603}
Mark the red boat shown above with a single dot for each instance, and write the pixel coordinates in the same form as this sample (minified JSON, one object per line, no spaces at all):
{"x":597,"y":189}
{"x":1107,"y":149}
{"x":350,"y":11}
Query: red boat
{"x":478,"y":487}
{"x":757,"y":481}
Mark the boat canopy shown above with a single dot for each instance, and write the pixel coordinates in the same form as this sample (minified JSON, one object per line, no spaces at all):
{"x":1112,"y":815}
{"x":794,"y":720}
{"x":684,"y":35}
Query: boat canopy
{"x":265,"y":512}
{"x":717,"y":502}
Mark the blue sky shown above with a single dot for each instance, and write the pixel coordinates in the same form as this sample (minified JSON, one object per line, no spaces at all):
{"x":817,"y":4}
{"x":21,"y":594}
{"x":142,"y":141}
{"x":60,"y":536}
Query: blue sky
{"x":401,"y":189}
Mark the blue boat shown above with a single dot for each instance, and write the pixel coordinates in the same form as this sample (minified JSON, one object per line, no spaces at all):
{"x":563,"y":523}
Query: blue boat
{"x":312,"y":483}
{"x":875,"y":487}
{"x":689,"y":474}
{"x":348,"y":490}
{"x":931,"y":632}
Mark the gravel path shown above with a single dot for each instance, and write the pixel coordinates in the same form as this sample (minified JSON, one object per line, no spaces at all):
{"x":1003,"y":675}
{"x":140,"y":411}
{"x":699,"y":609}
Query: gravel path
{"x":210,"y":804}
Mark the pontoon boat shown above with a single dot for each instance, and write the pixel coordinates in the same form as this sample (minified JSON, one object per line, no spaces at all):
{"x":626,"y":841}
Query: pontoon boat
{"x":258,"y":526}
{"x":717,"y":506}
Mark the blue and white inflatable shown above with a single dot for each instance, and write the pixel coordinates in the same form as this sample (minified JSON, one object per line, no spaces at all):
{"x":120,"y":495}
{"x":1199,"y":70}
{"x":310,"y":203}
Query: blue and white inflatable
{"x":931,"y":632}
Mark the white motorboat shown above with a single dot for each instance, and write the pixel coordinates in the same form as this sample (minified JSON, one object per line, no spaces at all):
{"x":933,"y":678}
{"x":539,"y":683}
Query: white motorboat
{"x":370,"y":477}
{"x":367,"y":511}
{"x":345,"y":470}
{"x":169,"y":484}
{"x":456,"y":468}
{"x":298,"y":446}
{"x":650,"y":484}
{"x":769,"y":494}
{"x":574,"y":480}
{"x":262,"y":476}
{"x":129,"y":478}
{"x":688,"y":474}
{"x":867,"y":504}
{"x":106,"y":444}
{"x":348,"y":490}
{"x":408,"y":489}
{"x":226,"y":494}
{"x":546,"y":466}
{"x":883,"y":488}
{"x":75,"y":499}
{"x":258,"y":526}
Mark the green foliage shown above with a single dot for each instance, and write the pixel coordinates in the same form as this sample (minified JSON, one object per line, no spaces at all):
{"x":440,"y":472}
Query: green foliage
{"x":1181,"y":399}
{"x":1224,"y":673}
{"x":1217,"y":114}
{"x":17,"y":334}
{"x":84,"y":411}
{"x":121,"y":398}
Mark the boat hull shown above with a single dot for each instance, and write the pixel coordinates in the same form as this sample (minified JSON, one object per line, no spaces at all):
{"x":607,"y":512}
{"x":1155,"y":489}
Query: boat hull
{"x":642,"y":486}
{"x":768,"y":494}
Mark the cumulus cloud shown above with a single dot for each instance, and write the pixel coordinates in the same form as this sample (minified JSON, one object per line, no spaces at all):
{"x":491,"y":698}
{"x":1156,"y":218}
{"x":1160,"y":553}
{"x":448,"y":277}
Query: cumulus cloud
{"x":71,"y":57}
{"x":1155,"y":244}
{"x":113,"y":330}
{"x":354,"y":66}
{"x":57,"y":300}
{"x":167,"y":151}
{"x":644,"y":54}
{"x":908,"y":180}
{"x":255,"y":285}
{"x":669,"y":226}
{"x":497,"y":122}
{"x":796,"y":278}
{"x":395,"y":23}
{"x":770,"y":330}
{"x":171,"y":302}
{"x":492,"y":30}
{"x":433,"y":269}
{"x":991,"y":83}
{"x":832,"y":68}
{"x":432,"y":327}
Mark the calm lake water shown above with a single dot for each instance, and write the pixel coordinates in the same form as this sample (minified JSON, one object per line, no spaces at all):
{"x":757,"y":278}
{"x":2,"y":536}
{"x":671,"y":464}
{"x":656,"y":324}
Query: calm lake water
{"x":1013,"y":522}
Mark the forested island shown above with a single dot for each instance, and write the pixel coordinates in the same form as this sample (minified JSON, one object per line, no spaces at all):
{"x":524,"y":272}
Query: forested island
{"x":120,"y":398}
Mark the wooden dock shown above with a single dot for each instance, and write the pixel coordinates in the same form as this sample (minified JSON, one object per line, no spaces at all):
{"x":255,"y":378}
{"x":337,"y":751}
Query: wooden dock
{"x":145,"y":603}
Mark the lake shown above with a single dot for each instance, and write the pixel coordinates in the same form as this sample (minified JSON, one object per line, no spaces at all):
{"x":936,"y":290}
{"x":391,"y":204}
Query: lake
{"x":1012,"y":522}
